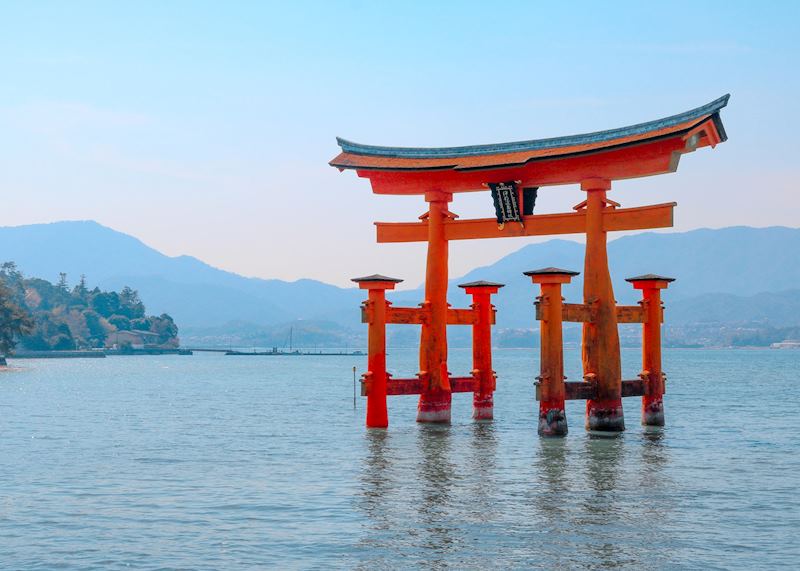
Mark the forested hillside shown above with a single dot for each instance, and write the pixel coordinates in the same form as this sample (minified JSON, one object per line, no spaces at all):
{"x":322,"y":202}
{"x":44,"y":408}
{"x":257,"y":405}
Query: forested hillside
{"x":64,"y":318}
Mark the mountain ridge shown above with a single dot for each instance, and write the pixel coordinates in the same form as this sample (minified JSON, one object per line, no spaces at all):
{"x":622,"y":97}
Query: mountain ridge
{"x":739,"y":261}
{"x":113,"y":259}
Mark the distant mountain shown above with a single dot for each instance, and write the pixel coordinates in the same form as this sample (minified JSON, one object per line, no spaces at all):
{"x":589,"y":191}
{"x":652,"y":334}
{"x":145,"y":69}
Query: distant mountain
{"x":778,"y":309}
{"x":193,"y":292}
{"x":740,"y":262}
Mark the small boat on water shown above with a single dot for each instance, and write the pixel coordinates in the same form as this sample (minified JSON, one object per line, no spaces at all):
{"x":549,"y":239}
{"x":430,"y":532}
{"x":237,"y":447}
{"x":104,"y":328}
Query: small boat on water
{"x":291,"y":351}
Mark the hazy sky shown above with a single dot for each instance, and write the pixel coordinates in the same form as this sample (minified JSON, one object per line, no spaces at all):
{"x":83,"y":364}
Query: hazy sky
{"x":205,"y":128}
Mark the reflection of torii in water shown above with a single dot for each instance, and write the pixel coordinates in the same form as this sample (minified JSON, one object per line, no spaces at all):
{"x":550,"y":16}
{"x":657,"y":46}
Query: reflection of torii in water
{"x":592,"y":160}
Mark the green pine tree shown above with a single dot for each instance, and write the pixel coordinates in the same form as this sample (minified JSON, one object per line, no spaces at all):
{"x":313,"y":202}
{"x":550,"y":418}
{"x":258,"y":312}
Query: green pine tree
{"x":14,"y":321}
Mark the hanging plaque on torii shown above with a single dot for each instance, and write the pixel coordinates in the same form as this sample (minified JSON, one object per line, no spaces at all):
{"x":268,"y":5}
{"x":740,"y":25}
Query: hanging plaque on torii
{"x":507,"y":205}
{"x":593,"y":161}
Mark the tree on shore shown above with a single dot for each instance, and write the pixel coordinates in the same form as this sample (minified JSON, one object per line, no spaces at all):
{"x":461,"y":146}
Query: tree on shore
{"x":14,"y":321}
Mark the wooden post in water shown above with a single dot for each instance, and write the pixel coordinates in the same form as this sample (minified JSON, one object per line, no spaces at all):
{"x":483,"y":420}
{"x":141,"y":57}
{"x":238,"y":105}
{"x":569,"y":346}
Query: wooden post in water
{"x":652,"y":373}
{"x":601,"y":353}
{"x":483,"y":398}
{"x":375,"y":379}
{"x":434,"y":402}
{"x":551,"y":393}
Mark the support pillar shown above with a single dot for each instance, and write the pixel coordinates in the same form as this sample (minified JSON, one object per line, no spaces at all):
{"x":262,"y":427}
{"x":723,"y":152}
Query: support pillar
{"x":601,"y":352}
{"x":375,"y":379}
{"x":551,"y":393}
{"x":434,"y":402}
{"x":483,"y":398}
{"x":652,"y":373}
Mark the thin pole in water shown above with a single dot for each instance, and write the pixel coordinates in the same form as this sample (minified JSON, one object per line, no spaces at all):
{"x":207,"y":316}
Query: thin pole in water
{"x":354,"y":387}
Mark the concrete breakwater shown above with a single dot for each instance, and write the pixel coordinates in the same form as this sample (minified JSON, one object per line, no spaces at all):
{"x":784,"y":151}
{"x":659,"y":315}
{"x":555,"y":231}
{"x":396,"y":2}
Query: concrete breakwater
{"x":94,"y":353}
{"x":58,"y":355}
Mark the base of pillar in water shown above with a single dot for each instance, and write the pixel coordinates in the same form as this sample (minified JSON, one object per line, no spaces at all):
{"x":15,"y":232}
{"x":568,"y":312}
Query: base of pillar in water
{"x":482,"y":407}
{"x":552,"y":422}
{"x":652,"y":411}
{"x":377,"y":423}
{"x":434,"y":409}
{"x":483,"y":412}
{"x":605,"y":416}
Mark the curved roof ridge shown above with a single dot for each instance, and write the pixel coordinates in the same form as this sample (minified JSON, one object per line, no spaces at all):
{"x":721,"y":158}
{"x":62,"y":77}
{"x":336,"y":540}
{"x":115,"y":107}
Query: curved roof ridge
{"x":534,"y":144}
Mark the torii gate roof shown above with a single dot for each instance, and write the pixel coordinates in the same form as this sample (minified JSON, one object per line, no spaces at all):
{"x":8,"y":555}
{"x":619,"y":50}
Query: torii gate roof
{"x":638,"y":150}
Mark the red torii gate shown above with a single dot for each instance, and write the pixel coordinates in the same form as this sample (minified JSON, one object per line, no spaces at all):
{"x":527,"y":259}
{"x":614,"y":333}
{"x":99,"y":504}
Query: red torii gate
{"x":592,"y":160}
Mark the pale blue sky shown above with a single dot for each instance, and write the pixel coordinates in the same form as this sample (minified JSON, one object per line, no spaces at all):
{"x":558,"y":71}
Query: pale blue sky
{"x":205,"y":128}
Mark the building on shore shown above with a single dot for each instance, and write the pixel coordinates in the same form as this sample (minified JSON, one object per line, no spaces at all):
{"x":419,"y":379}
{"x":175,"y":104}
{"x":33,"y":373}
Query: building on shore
{"x":787,"y":344}
{"x":136,"y":338}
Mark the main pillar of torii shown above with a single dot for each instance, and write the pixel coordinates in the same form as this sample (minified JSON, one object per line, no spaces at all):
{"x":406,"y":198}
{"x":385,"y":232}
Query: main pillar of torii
{"x":434,"y":403}
{"x":592,"y":160}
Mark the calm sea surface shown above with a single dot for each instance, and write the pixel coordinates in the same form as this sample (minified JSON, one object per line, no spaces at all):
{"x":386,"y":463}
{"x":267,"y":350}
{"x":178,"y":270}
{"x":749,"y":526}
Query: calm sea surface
{"x":214,"y":462}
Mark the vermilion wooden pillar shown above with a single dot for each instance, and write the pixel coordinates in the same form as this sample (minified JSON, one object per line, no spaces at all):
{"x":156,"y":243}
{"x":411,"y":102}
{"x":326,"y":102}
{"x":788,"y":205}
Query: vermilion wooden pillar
{"x":375,"y":378}
{"x":483,"y":398}
{"x":601,"y":354}
{"x":652,"y":373}
{"x":434,"y":402}
{"x":552,"y":418}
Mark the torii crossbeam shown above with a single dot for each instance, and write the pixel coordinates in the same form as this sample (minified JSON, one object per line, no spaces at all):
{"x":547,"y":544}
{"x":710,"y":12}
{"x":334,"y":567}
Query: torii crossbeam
{"x":593,"y":161}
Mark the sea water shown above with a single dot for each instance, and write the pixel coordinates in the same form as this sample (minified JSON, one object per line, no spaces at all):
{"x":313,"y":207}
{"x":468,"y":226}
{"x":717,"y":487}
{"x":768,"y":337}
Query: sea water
{"x":215,"y":462}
